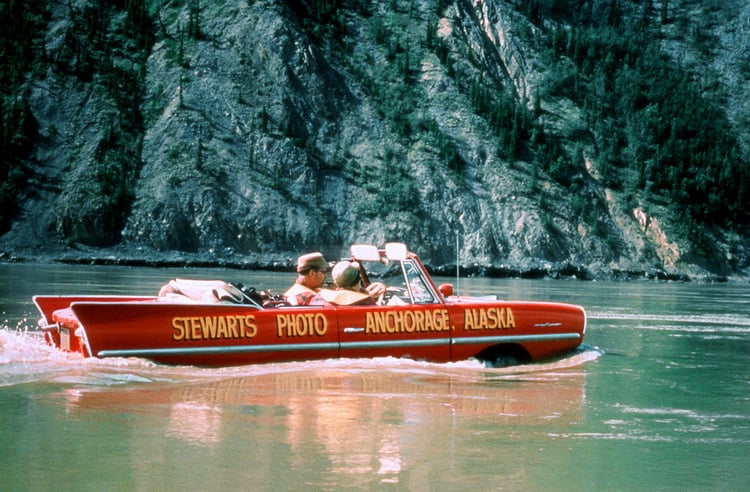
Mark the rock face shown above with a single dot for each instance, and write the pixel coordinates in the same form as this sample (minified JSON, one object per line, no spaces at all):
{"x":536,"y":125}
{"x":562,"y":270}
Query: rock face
{"x":246,"y":131}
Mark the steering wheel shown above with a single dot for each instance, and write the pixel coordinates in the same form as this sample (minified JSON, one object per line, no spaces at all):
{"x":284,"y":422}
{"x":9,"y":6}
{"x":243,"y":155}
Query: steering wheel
{"x":389,"y":293}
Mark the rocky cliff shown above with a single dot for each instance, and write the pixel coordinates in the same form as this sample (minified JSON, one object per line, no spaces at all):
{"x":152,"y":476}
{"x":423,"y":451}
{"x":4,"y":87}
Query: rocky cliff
{"x":248,"y":132}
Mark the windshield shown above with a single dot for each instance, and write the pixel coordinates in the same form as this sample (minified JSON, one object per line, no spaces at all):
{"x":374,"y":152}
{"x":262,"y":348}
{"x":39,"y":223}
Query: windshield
{"x":404,"y":281}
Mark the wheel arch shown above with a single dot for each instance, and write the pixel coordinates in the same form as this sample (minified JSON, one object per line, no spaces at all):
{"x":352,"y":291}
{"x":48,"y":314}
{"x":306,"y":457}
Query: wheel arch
{"x":504,"y":354}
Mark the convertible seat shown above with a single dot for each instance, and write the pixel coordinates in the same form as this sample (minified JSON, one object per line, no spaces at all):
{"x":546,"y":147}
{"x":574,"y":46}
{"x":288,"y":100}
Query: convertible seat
{"x":209,"y":291}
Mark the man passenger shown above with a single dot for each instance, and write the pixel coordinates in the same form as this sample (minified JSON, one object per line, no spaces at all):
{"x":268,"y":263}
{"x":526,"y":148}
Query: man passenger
{"x":349,"y":291}
{"x":312,"y":270}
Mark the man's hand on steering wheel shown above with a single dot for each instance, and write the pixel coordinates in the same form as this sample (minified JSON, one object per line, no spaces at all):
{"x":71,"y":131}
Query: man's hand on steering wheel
{"x":376,"y":289}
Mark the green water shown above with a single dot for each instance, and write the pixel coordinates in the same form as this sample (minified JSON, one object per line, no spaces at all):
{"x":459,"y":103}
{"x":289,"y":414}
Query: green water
{"x":658,"y":399}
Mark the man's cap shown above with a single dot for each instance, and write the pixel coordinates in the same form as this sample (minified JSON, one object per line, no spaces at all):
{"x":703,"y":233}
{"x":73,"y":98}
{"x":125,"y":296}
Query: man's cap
{"x":312,"y":260}
{"x":345,"y":274}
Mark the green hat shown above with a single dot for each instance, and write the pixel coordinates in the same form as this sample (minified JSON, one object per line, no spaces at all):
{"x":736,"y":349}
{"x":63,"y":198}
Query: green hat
{"x":345,"y":273}
{"x":310,"y":261}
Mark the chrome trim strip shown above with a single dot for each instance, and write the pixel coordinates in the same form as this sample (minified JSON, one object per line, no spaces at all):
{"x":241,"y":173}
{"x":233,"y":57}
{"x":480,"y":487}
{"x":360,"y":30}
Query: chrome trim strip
{"x":516,"y":338}
{"x":294,"y":347}
{"x":231,"y":349}
{"x":396,"y":343}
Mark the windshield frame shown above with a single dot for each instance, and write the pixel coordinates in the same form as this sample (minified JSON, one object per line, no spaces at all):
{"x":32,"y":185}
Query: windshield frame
{"x":407,"y":276}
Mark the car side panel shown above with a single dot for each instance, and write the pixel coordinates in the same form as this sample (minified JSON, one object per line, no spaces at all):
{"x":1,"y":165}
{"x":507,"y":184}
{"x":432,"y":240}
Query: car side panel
{"x":420,"y":332}
{"x":207,"y":335}
{"x":543,"y":329}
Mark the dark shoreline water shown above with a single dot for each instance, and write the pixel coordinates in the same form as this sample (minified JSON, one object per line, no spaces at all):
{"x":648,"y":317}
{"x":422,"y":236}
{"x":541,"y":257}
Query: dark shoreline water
{"x":535,"y":270}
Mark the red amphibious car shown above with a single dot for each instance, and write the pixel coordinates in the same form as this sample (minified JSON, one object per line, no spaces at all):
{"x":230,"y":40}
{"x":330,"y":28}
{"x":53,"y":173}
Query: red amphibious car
{"x":213,"y":324}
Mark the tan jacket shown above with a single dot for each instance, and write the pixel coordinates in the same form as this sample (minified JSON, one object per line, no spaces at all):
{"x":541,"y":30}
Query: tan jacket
{"x":299,"y":295}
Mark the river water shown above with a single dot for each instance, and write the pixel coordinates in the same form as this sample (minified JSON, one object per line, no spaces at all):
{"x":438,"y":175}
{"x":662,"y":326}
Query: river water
{"x":657,"y":399}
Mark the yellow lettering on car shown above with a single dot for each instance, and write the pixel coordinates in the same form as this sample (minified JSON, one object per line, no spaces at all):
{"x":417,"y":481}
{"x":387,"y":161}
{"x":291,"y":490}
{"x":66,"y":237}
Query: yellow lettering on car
{"x":213,"y":328}
{"x":393,"y":322}
{"x":301,"y":325}
{"x":178,"y":325}
{"x":489,"y":319}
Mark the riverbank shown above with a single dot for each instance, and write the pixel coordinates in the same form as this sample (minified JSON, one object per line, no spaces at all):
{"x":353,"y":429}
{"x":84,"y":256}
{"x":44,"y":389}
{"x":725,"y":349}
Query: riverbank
{"x":530,"y":269}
